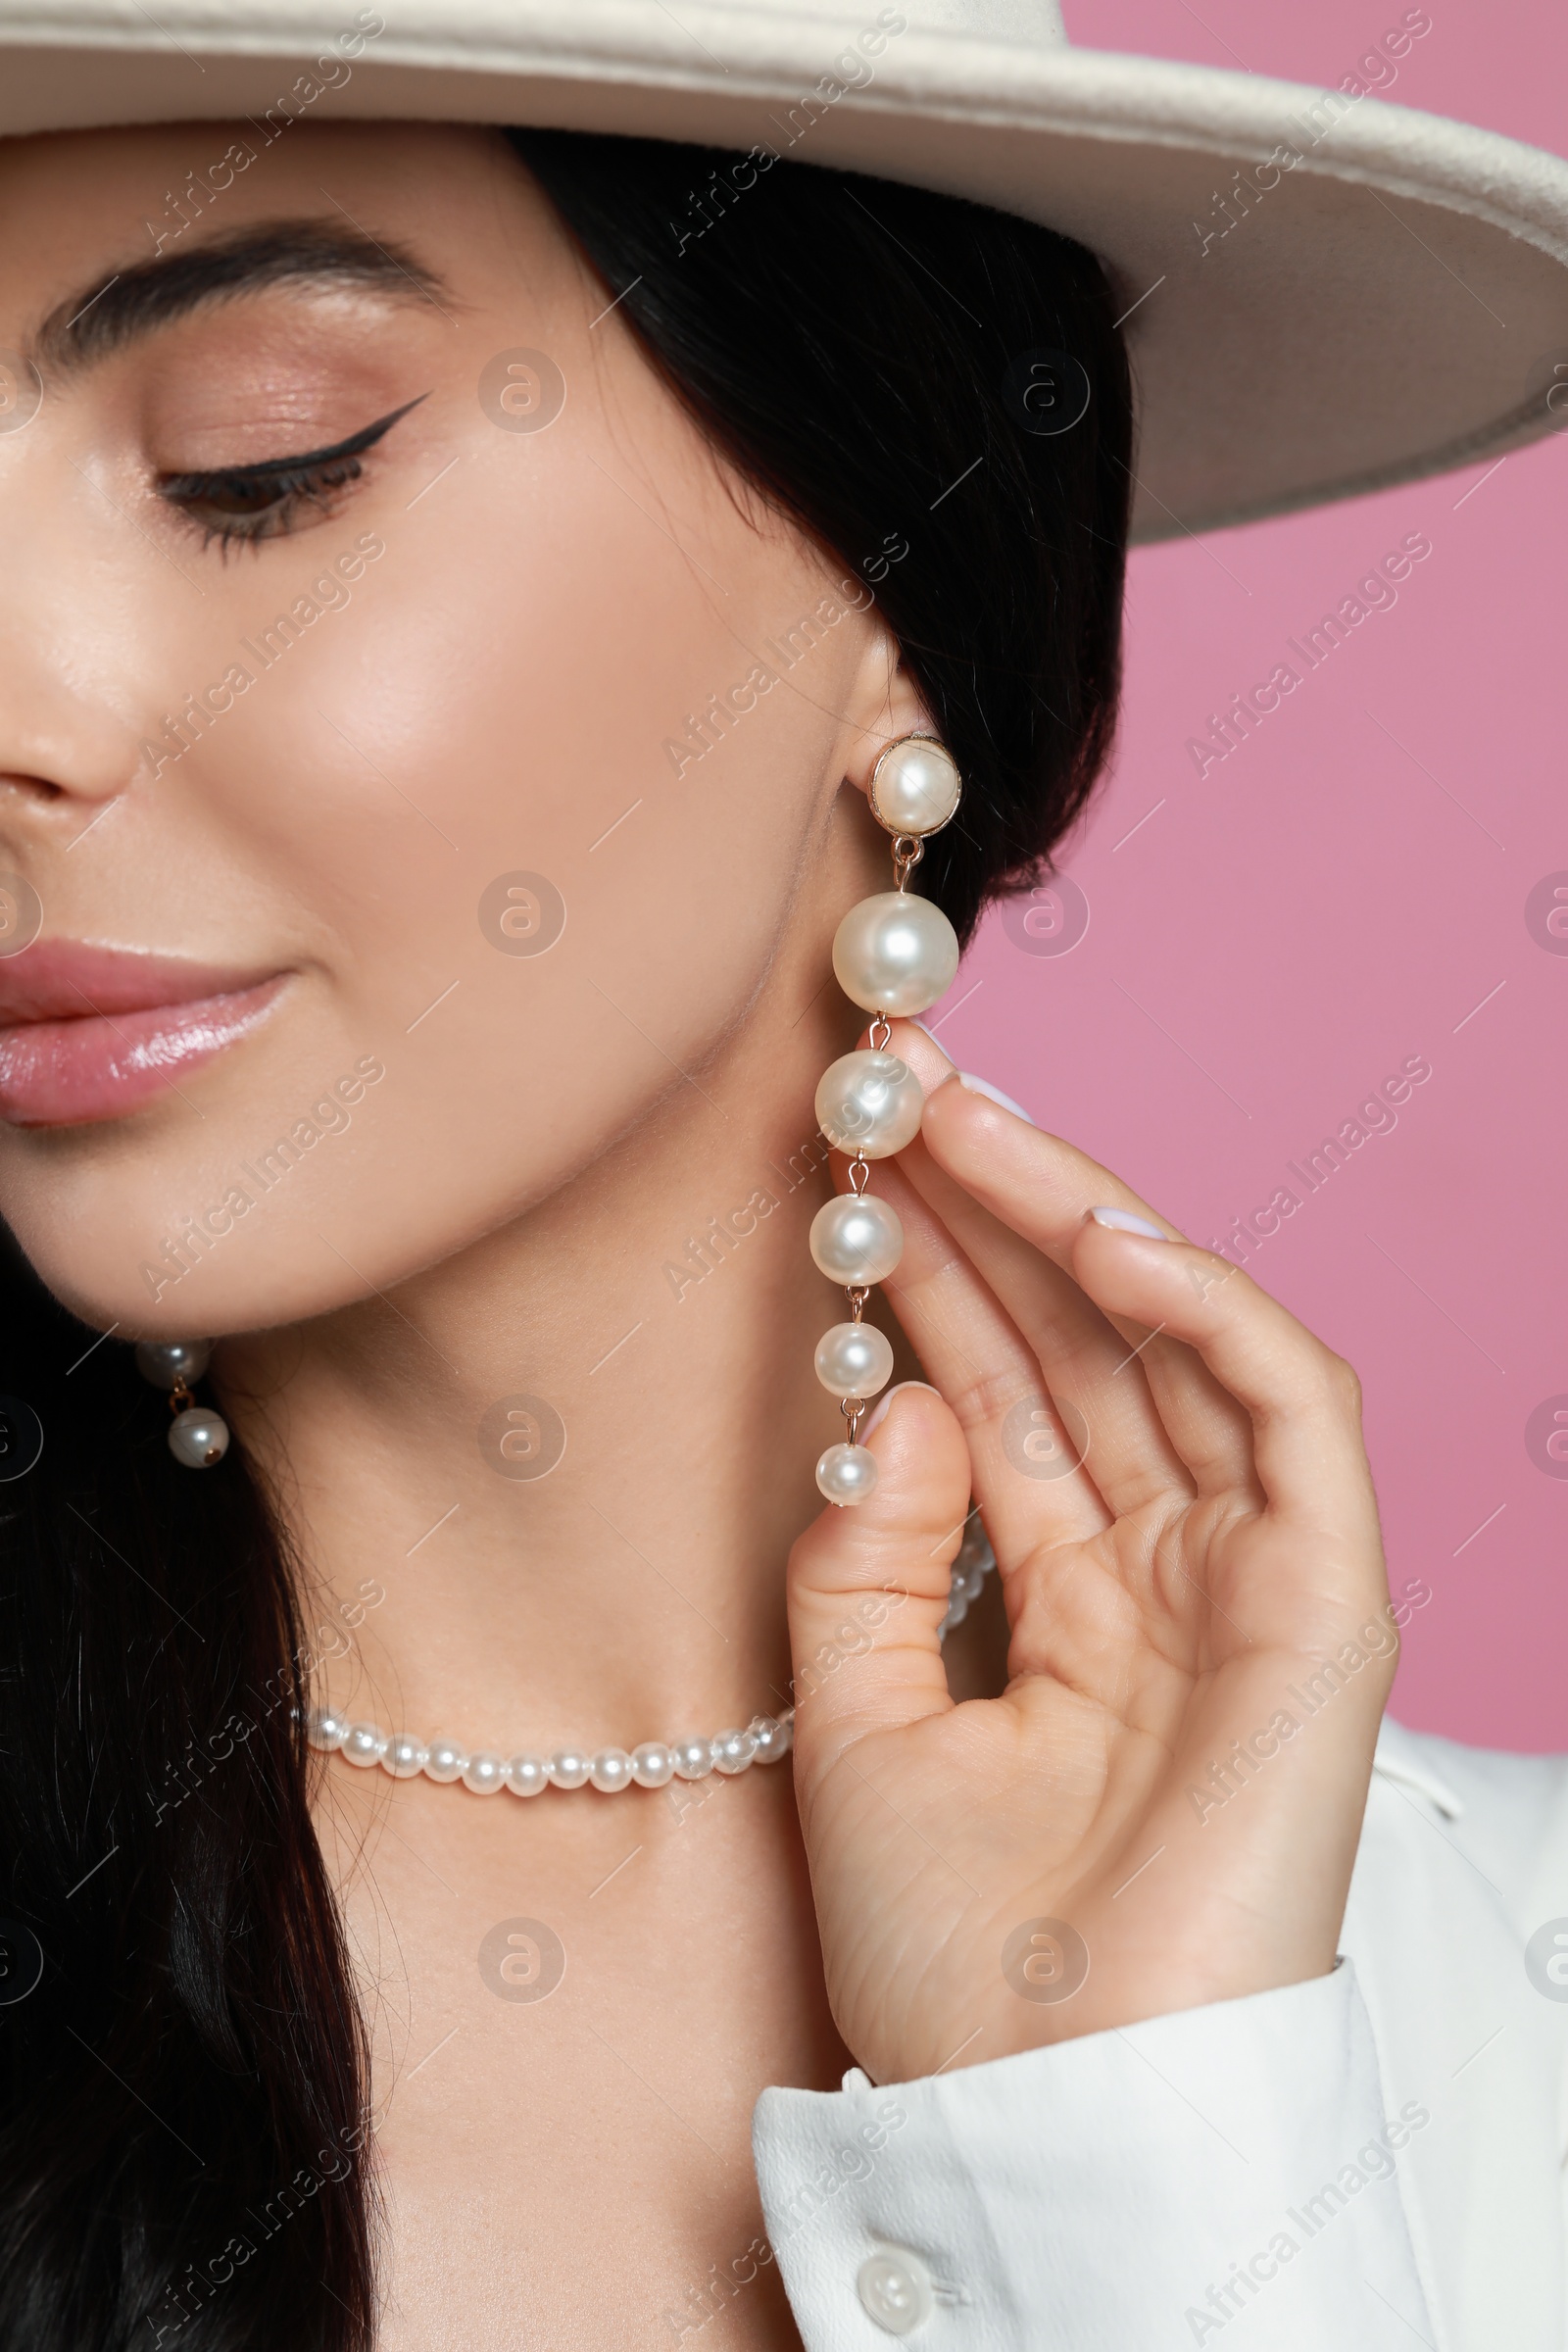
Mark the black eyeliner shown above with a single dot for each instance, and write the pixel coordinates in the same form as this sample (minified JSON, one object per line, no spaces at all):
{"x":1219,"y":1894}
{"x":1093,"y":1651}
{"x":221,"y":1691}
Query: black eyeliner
{"x":187,"y":485}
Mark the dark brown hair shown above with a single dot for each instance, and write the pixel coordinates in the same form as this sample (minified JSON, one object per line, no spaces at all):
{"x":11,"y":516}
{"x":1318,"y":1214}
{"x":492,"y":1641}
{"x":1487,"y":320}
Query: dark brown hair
{"x":937,"y":393}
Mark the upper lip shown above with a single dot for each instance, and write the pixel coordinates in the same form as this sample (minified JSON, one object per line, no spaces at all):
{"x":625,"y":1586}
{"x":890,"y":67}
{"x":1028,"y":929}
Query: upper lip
{"x":61,"y":979}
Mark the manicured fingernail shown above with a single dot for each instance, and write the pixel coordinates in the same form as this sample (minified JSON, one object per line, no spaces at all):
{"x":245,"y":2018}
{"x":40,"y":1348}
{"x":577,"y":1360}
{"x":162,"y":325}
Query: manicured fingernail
{"x":1122,"y":1220}
{"x":879,"y":1411}
{"x":993,"y":1093}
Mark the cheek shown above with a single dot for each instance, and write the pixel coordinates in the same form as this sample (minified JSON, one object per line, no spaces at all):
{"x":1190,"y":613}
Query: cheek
{"x":454,"y":803}
{"x":499,"y":704}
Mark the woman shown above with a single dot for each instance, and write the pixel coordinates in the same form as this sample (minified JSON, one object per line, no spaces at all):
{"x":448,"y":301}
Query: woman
{"x":489,"y":601}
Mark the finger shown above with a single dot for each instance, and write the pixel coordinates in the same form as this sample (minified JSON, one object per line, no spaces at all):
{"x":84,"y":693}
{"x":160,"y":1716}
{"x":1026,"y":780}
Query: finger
{"x":1042,"y":1188}
{"x":1097,"y":1386}
{"x":990,"y":1378}
{"x":868,"y":1583}
{"x":1302,"y":1402}
{"x":1158,"y":1425}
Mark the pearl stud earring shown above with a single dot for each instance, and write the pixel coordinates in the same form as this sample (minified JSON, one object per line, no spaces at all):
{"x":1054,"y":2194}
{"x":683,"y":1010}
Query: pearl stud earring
{"x":198,"y":1436}
{"x":894,"y":954}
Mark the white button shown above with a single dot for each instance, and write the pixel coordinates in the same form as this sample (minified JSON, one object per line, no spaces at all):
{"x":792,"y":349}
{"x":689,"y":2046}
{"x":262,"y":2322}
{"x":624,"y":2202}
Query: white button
{"x":895,"y":2289}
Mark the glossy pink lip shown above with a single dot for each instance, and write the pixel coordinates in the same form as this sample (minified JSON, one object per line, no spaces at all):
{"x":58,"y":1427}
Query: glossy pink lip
{"x":89,"y":1033}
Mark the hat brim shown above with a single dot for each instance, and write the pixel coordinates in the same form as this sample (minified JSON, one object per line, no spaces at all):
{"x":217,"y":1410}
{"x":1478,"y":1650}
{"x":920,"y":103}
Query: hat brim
{"x":1390,"y":302}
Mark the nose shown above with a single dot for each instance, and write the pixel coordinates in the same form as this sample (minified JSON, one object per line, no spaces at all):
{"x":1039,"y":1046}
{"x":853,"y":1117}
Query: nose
{"x":65,"y":746}
{"x":61,"y":756}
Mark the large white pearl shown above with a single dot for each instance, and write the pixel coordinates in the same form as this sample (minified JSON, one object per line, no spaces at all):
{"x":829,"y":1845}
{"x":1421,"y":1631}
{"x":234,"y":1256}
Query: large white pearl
{"x":569,"y":1767}
{"x":857,"y":1241}
{"x":527,"y":1775}
{"x":166,"y":1362}
{"x":326,"y":1730}
{"x":611,"y":1770}
{"x":894,"y":953}
{"x":198,"y":1438}
{"x":362,"y":1743}
{"x":694,"y":1758}
{"x":404,"y":1756}
{"x":446,"y":1760}
{"x":854,"y":1359}
{"x":914,"y":786}
{"x":870,"y":1101}
{"x":847,"y":1473}
{"x":484,"y":1775}
{"x":652,"y":1765}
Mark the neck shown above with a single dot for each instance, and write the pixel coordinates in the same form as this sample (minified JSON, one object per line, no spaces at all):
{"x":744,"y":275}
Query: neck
{"x":663,"y":1308}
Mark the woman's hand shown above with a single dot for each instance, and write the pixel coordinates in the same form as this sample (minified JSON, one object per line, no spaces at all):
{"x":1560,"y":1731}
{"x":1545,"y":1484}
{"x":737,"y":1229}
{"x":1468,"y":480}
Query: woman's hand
{"x":1162,"y":1809}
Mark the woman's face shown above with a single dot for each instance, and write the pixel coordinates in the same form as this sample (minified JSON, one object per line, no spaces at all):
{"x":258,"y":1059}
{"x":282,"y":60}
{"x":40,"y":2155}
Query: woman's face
{"x":380,"y":876}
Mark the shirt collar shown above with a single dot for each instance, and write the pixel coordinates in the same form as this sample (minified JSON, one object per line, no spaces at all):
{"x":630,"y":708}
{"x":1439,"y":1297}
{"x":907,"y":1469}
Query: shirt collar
{"x":1402,"y":1756}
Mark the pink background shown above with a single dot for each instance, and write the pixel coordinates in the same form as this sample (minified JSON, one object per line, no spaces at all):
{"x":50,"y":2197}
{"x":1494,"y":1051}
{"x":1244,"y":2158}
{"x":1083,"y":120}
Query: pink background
{"x":1277,"y":937}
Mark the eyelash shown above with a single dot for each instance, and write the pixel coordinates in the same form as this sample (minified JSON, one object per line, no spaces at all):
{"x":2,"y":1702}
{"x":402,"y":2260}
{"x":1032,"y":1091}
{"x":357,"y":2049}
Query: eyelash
{"x":287,"y":483}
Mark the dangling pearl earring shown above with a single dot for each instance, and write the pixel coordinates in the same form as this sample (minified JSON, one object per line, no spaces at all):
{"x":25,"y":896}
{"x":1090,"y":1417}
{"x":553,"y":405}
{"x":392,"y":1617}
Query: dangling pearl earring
{"x":198,"y":1436}
{"x":893,"y":954}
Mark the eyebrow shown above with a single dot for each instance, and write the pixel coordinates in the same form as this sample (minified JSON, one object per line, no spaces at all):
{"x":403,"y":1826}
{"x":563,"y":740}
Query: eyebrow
{"x":114,"y":310}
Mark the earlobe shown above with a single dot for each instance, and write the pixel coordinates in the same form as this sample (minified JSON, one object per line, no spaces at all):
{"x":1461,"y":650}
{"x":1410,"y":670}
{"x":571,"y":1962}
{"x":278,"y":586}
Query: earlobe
{"x":887,"y":705}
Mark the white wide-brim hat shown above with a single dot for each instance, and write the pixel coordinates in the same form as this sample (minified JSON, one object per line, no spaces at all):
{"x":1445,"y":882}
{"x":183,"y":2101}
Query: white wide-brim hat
{"x":1324,"y":294}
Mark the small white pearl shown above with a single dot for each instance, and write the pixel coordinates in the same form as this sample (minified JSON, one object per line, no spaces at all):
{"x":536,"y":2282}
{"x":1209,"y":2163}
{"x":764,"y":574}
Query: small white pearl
{"x":914,"y":786}
{"x":404,"y":1756}
{"x":364,"y":1743}
{"x":326,"y":1730}
{"x":694,"y":1758}
{"x":857,"y":1241}
{"x":569,"y":1767}
{"x":527,"y":1775}
{"x":870,"y":1101}
{"x":733,"y":1751}
{"x":446,"y":1760}
{"x":198,"y":1437}
{"x":773,"y":1739}
{"x":653,"y":1764}
{"x":165,"y":1362}
{"x":484,"y":1774}
{"x":847,"y":1473}
{"x":894,"y":953}
{"x":611,"y":1770}
{"x":854,"y":1359}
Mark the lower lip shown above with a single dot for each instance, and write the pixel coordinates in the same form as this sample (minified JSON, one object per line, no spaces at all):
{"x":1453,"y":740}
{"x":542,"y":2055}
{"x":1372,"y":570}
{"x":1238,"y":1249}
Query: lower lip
{"x":66,"y":1073}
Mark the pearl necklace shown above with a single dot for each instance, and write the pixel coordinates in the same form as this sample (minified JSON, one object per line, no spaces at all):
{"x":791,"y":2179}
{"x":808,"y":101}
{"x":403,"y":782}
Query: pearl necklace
{"x":652,"y":1765}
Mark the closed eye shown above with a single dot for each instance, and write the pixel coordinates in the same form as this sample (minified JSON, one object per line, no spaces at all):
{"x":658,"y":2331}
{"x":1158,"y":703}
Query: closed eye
{"x":232,"y":503}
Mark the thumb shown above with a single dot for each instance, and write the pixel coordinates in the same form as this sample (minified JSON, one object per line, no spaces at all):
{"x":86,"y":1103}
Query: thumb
{"x":868,"y":1583}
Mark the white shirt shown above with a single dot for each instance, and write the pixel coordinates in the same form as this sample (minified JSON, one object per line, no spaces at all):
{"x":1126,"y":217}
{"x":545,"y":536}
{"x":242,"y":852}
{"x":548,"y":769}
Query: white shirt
{"x":1366,"y":2162}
